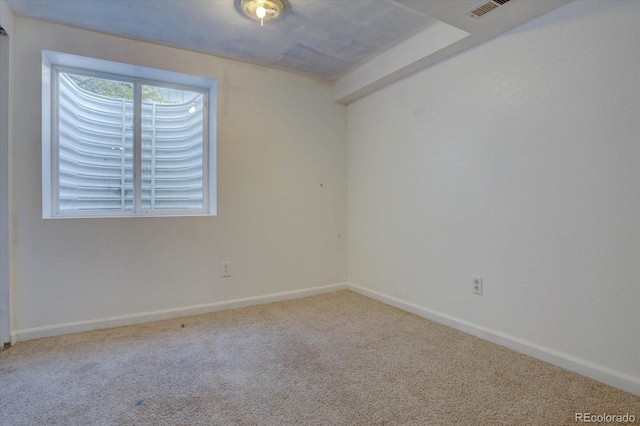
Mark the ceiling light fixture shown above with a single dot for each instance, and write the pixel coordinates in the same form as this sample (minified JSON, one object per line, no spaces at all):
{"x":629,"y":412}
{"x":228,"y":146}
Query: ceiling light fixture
{"x":262,"y":10}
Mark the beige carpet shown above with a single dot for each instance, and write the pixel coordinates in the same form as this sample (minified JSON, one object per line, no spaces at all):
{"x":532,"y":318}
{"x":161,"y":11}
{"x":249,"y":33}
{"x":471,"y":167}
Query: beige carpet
{"x":334,"y":359}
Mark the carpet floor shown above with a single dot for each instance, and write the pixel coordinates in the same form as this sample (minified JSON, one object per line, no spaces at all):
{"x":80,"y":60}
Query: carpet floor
{"x":333,"y":359}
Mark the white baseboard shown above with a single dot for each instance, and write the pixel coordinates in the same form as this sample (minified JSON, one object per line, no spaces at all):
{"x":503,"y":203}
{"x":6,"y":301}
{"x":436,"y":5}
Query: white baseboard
{"x":568,"y":362}
{"x":122,"y":320}
{"x":601,"y":374}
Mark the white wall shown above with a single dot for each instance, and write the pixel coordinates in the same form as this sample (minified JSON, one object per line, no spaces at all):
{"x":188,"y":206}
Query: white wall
{"x":516,"y":161}
{"x":6,"y":42}
{"x":6,"y":17}
{"x":280,"y":137}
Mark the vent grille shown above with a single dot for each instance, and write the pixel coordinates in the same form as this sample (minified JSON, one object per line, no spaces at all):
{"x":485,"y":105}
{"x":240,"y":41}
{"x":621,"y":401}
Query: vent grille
{"x":484,"y":8}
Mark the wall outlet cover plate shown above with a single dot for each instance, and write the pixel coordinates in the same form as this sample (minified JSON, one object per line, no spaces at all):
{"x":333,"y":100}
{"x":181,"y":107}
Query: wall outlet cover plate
{"x":477,"y":285}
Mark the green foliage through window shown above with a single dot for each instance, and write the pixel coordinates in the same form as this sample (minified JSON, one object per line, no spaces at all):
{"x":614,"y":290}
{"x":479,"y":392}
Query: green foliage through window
{"x":116,"y":89}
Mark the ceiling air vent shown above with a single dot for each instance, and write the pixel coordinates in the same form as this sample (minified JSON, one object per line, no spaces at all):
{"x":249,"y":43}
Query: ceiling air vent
{"x":485,"y":7}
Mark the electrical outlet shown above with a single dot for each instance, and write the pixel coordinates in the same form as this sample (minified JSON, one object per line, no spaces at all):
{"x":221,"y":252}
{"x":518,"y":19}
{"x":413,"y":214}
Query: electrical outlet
{"x":477,"y":285}
{"x":225,"y":269}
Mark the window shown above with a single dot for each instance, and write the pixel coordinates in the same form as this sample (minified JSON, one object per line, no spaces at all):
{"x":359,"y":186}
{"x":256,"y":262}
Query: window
{"x":123,"y":140}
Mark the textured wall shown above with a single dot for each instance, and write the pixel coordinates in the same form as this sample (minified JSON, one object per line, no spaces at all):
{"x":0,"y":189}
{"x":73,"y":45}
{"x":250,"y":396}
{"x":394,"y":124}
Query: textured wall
{"x":517,"y":161}
{"x":279,"y":138}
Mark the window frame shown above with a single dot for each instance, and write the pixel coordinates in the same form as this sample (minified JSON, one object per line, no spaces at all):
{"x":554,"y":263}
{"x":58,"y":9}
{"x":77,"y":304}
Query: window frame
{"x":54,"y":63}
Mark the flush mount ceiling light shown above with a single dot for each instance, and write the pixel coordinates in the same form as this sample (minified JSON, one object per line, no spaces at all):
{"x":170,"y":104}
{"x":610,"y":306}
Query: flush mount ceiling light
{"x":262,"y":10}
